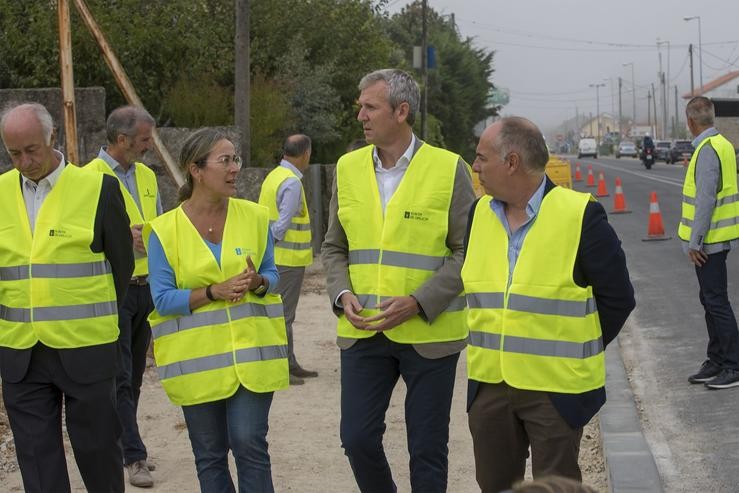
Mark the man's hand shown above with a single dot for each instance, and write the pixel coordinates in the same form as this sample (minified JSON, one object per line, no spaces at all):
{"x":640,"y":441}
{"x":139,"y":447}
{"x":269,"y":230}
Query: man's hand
{"x":394,"y":312}
{"x":698,"y":257}
{"x":352,"y":308}
{"x":138,"y":240}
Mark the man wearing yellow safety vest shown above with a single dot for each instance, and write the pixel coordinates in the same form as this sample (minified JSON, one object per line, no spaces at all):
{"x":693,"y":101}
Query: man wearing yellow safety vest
{"x":129,"y":135}
{"x":282,"y":193}
{"x":709,"y":229}
{"x":547,"y":289}
{"x":392,"y":254}
{"x":65,"y":261}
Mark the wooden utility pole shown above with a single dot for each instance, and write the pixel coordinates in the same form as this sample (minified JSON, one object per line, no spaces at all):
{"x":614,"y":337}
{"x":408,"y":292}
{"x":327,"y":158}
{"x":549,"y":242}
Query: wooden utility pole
{"x":67,"y":77}
{"x":124,"y":84}
{"x":242,"y":85}
{"x":690,"y":53}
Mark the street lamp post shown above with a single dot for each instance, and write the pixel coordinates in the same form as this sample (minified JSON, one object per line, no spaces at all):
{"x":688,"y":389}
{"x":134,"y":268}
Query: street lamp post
{"x":633,"y":89}
{"x":700,"y":45}
{"x":597,"y":108}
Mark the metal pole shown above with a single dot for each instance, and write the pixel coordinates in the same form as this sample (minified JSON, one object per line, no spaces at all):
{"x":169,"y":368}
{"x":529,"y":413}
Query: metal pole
{"x":620,"y":112}
{"x":700,"y":52}
{"x":424,"y":68}
{"x":67,"y":77}
{"x":654,"y":107}
{"x":242,"y":84}
{"x":597,"y":107}
{"x":677,"y":116}
{"x":633,"y":90}
{"x":690,"y":52}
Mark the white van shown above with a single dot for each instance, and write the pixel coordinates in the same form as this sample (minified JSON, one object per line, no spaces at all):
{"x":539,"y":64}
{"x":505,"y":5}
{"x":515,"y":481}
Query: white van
{"x":587,"y":147}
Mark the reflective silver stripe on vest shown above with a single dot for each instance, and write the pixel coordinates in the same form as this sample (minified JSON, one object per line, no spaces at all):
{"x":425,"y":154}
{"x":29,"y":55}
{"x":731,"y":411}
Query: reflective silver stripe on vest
{"x":364,"y":257}
{"x":299,"y":227}
{"x":559,"y":349}
{"x":56,"y":271}
{"x":485,"y":300}
{"x":714,"y":226}
{"x":291,"y":245}
{"x":15,"y":273}
{"x":15,"y":314}
{"x":72,"y":312}
{"x":200,"y":319}
{"x":263,"y":353}
{"x":484,"y":340}
{"x":196,"y":365}
{"x":412,"y":260}
{"x":256,"y":310}
{"x":370,"y":302}
{"x":722,"y":201}
{"x":565,"y":308}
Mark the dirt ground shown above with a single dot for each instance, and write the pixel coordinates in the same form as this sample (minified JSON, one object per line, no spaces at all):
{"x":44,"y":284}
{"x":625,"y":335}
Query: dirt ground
{"x":304,"y":425}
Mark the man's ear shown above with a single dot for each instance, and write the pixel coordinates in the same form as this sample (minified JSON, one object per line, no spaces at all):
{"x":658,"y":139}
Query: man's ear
{"x":402,"y":111}
{"x":513,"y":163}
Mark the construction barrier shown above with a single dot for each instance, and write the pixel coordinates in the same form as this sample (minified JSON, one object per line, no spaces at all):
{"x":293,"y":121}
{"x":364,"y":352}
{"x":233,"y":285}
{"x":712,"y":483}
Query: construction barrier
{"x":559,"y":171}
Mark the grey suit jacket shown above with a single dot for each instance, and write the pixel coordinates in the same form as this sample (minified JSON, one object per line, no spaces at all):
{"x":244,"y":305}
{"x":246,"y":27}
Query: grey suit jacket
{"x":438,"y":291}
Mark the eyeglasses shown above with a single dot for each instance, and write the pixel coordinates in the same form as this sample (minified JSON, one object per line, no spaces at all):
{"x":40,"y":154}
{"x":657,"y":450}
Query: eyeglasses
{"x":226,"y":161}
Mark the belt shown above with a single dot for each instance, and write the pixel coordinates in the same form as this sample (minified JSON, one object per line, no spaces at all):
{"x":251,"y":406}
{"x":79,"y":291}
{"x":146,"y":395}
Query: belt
{"x":139,"y":280}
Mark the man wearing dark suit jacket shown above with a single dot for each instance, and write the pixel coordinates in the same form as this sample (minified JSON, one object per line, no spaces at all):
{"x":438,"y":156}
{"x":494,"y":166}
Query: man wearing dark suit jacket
{"x":547,"y":289}
{"x":392,"y":255}
{"x":65,"y":260}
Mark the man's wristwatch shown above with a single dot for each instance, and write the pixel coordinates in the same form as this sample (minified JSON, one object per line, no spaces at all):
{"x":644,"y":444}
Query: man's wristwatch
{"x":262,"y":288}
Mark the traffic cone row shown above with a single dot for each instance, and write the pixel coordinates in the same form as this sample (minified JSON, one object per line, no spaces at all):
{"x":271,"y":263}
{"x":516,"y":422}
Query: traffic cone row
{"x":655,"y":228}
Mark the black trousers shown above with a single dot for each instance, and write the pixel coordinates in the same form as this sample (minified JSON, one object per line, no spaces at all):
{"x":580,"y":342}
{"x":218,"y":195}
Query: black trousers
{"x":723,"y":337}
{"x":133,"y":343}
{"x":34,"y":408}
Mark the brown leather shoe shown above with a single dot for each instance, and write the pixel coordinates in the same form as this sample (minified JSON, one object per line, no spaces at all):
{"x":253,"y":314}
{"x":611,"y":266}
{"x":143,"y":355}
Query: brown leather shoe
{"x":301,"y":372}
{"x":139,"y":475}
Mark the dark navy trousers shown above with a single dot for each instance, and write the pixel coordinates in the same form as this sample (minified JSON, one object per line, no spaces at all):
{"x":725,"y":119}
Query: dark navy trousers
{"x":723,"y":337}
{"x":369,"y":371}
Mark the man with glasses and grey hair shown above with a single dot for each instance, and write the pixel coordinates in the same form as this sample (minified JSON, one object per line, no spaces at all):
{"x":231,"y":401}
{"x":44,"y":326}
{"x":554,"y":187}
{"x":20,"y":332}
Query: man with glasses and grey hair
{"x":708,"y":230}
{"x":129,"y":134}
{"x":392,"y":254}
{"x":65,"y":262}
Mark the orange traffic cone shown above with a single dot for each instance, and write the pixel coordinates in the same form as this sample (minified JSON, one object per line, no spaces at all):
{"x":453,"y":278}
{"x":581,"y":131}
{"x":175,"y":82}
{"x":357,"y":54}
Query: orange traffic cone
{"x":591,"y":178}
{"x":619,"y":201}
{"x":578,"y":174}
{"x":656,"y":230}
{"x":602,"y":191}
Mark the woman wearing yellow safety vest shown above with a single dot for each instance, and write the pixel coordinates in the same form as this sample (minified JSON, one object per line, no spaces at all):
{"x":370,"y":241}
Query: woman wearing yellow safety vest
{"x":219,"y":333}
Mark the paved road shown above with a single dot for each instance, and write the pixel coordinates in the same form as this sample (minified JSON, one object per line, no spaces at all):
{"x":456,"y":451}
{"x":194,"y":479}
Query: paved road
{"x":693,"y":432}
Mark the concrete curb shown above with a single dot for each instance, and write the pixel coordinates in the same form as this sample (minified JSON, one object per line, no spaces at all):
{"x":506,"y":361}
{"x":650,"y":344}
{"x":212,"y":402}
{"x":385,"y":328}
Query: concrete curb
{"x":630,"y":465}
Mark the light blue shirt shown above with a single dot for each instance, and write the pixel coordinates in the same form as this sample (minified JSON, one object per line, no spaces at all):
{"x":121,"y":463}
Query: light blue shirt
{"x":515,"y":239}
{"x":288,"y":201}
{"x":128,"y":178}
{"x":34,"y":193}
{"x":169,"y":300}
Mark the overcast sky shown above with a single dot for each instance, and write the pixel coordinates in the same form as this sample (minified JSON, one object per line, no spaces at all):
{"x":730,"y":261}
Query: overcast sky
{"x":548,"y":52}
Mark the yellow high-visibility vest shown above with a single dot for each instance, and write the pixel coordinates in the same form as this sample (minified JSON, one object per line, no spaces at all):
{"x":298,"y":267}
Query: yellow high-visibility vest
{"x":146,"y":184}
{"x":540,"y":330}
{"x":725,"y":218}
{"x":53,"y":288}
{"x":295,"y":249}
{"x":394,"y":253}
{"x":205,"y":356}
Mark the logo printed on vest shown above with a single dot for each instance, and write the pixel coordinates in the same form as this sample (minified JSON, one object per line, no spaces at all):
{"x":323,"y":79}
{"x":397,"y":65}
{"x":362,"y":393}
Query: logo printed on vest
{"x":61,"y":233}
{"x":148,"y":194}
{"x":416,"y":216}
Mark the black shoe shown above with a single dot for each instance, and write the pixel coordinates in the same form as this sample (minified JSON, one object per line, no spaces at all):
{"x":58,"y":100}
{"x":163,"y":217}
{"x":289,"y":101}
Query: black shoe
{"x":301,"y":372}
{"x":296,"y":380}
{"x":726,"y":379}
{"x":707,"y":371}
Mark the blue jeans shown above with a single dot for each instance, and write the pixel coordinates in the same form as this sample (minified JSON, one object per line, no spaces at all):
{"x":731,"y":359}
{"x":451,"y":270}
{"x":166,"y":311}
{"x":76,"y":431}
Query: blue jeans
{"x":239,"y":424}
{"x":369,"y":371}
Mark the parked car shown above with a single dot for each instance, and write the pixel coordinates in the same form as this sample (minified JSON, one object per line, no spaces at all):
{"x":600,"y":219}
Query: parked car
{"x":626,"y":148}
{"x":587,"y":147}
{"x":661,"y":149}
{"x":680,"y":150}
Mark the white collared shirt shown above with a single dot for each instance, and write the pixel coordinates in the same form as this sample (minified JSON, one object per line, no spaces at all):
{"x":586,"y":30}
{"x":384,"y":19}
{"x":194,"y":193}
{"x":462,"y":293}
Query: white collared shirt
{"x":389,"y":179}
{"x":34,"y":194}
